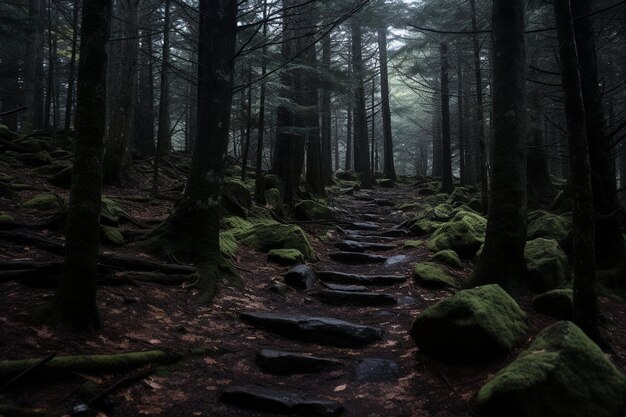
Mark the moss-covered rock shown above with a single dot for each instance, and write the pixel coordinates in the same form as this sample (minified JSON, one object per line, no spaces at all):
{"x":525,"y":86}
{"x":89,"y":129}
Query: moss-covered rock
{"x":423,"y":227}
{"x":312,"y":210}
{"x":44,"y":202}
{"x":442,"y":212}
{"x":459,"y":236}
{"x":546,"y":263}
{"x":111,"y":212}
{"x":548,"y":225}
{"x":112,"y":235}
{"x":431,"y":275}
{"x":478,"y":222}
{"x":471,"y":326}
{"x":557,"y":303}
{"x":460,"y":195}
{"x":562,"y":374}
{"x":234,"y":225}
{"x":448,"y":257}
{"x":6,"y":221}
{"x":272,"y":235}
{"x":237,"y":191}
{"x":274,"y":199}
{"x":285,"y":256}
{"x":412,"y":244}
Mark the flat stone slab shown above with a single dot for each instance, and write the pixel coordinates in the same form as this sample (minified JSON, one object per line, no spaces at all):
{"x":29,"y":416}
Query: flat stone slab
{"x":364,"y":226}
{"x":354,"y":246}
{"x":356,"y":258}
{"x":340,"y":298}
{"x":367,"y":237}
{"x":339,"y":287}
{"x":285,"y":363}
{"x":321,"y":330}
{"x":376,"y":370}
{"x":395,"y":233}
{"x":280,"y":402}
{"x":396,"y":259}
{"x":358,"y":279}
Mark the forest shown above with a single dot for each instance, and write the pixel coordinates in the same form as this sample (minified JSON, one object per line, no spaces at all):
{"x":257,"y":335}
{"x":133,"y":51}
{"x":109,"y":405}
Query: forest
{"x":315,"y":208}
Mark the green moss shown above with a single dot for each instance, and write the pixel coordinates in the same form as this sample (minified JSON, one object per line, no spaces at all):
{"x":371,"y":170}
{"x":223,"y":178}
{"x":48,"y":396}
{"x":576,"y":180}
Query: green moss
{"x":431,"y":275}
{"x":111,"y":212}
{"x":238,"y":223}
{"x":272,"y":235}
{"x":546,"y":263}
{"x":448,"y":257}
{"x":409,"y":206}
{"x":234,"y":226}
{"x":44,"y":202}
{"x":412,"y":244}
{"x":286,"y":256}
{"x":556,"y":303}
{"x":471,"y":326}
{"x":548,"y":225}
{"x":562,"y":373}
{"x":312,"y":210}
{"x":112,"y":235}
{"x":423,"y":227}
{"x":459,"y":236}
{"x":6,"y":221}
{"x":274,"y":199}
{"x":478,"y":222}
{"x":238,"y":191}
{"x":442,"y":212}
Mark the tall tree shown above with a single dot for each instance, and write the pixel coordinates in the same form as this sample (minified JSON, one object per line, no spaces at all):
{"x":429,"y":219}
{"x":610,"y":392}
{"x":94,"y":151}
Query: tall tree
{"x":502,"y":259}
{"x":32,"y":73}
{"x":447,"y":184}
{"x":325,"y":109}
{"x":586,"y":311}
{"x":388,"y":164}
{"x":74,"y":303}
{"x":144,"y":113}
{"x":192,"y":230}
{"x":259,"y":180}
{"x":361,"y":151}
{"x":71,"y":78}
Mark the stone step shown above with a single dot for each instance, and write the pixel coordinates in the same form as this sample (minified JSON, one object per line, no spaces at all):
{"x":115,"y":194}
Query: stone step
{"x":365,"y":226}
{"x":339,"y":287}
{"x":285,"y":363}
{"x":358,"y":279}
{"x":395,"y":233}
{"x":355,"y":258}
{"x":376,"y":370}
{"x":321,"y":330}
{"x":354,"y":246}
{"x":281,"y":402}
{"x":367,"y":237}
{"x":340,"y":298}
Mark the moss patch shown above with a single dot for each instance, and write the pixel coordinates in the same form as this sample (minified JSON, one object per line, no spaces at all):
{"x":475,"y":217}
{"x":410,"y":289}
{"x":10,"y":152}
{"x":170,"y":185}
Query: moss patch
{"x":562,"y":373}
{"x":423,"y":227}
{"x":460,"y":236}
{"x":312,"y":210}
{"x":548,"y":225}
{"x":412,"y":244}
{"x":286,"y":256}
{"x":6,"y":221}
{"x":546,"y":263}
{"x":448,"y":257}
{"x":272,"y":235}
{"x":431,"y":275}
{"x":473,"y":325}
{"x":44,"y":202}
{"x":112,"y":235}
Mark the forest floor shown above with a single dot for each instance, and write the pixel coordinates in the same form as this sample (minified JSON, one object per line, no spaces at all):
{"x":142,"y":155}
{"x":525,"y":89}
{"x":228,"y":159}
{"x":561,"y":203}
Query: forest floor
{"x":219,"y":349}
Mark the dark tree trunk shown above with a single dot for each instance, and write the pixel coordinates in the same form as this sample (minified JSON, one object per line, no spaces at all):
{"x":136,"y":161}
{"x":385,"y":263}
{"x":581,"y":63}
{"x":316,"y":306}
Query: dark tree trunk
{"x":437,"y":168}
{"x":336,"y":141}
{"x":447,"y":184}
{"x":52,"y":57}
{"x":259,"y":180}
{"x":609,"y":216}
{"x":481,"y":155}
{"x":118,"y":152}
{"x":361,"y":151}
{"x":325,"y":102}
{"x":71,"y":78}
{"x":461,"y":120}
{"x":192,"y":230}
{"x":144,"y":114}
{"x":373,"y":143}
{"x":248,"y":119}
{"x":74,"y":303}
{"x":539,"y":185}
{"x":502,"y":259}
{"x":348,"y":165}
{"x":586,"y":310}
{"x":388,"y":162}
{"x":32,"y":68}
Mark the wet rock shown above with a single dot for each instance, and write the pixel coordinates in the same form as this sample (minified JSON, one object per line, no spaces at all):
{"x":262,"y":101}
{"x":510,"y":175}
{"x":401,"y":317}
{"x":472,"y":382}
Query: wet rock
{"x":341,"y":298}
{"x":322,"y":330}
{"x":339,"y":287}
{"x":358,"y":279}
{"x":301,"y":277}
{"x":355,"y":258}
{"x":376,"y":370}
{"x":364,"y":226}
{"x":353,"y":246}
{"x":280,"y":362}
{"x":395,"y":260}
{"x":280,"y":402}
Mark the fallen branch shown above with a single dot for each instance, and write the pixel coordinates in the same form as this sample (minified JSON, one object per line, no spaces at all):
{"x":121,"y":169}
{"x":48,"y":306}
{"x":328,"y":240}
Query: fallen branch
{"x":27,"y":371}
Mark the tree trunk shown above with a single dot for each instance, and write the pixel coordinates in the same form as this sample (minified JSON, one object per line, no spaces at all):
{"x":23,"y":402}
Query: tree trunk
{"x":325,"y":102}
{"x":118,"y":152}
{"x":461,"y":120}
{"x":348,"y":165}
{"x":246,"y":148}
{"x":437,"y":168}
{"x":361,"y":151}
{"x":192,"y":230}
{"x":609,"y":217}
{"x":388,"y":162}
{"x":71,"y":79}
{"x":52,"y":45}
{"x":481,"y":155}
{"x":447,"y":184}
{"x":144,"y":114}
{"x":74,"y":303}
{"x":32,"y":68}
{"x":259,"y":181}
{"x":586,"y":310}
{"x":502,"y":259}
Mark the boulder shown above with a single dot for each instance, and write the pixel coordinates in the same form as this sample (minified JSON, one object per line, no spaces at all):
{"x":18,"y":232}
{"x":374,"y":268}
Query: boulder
{"x":472,"y":326}
{"x":548,"y":225}
{"x":44,"y":202}
{"x":431,"y":275}
{"x":285,"y":256}
{"x":460,"y":236}
{"x":448,"y":257}
{"x":423,"y":227}
{"x":272,"y":235}
{"x":237,"y":198}
{"x":111,"y":212}
{"x":442,"y":212}
{"x":556,"y":303}
{"x":274,"y":200}
{"x":562,"y":374}
{"x":311,"y":210}
{"x":546,"y":263}
{"x":301,"y":277}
